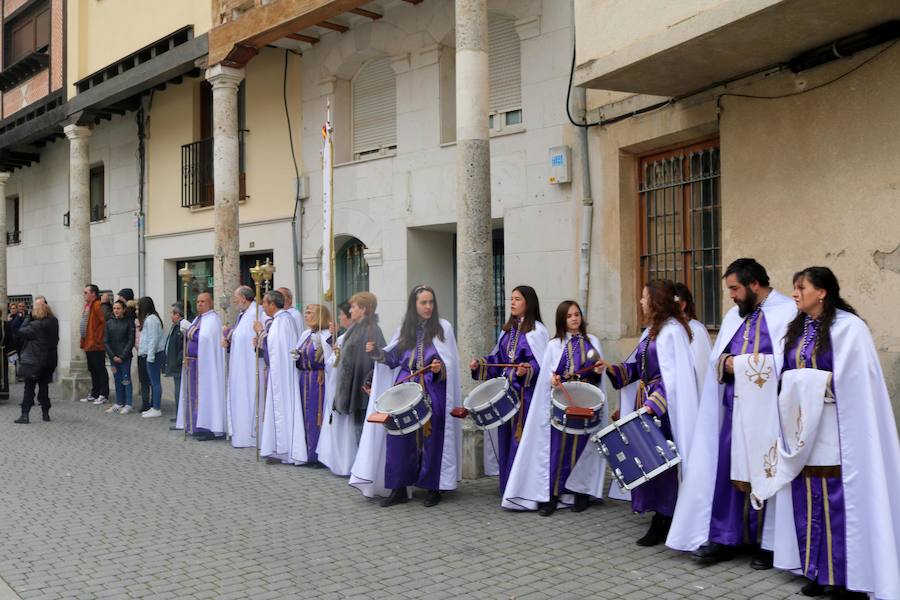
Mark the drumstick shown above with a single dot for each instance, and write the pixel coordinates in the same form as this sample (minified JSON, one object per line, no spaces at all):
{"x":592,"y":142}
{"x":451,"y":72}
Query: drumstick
{"x":506,"y":365}
{"x":413,"y":375}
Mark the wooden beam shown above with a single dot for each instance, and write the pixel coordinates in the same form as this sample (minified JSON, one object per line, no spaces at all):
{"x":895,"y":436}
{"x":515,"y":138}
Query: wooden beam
{"x":299,"y":37}
{"x":413,"y":1}
{"x":265,"y":24}
{"x":333,"y":26}
{"x":366,"y":13}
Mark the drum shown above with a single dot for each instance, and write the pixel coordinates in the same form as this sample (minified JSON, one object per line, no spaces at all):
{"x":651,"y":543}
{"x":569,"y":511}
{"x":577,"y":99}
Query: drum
{"x":636,"y":449}
{"x":492,"y":403}
{"x":402,"y":409}
{"x":582,"y":414}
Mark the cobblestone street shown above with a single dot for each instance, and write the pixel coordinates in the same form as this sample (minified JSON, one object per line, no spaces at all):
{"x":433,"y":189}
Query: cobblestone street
{"x":109,"y":506}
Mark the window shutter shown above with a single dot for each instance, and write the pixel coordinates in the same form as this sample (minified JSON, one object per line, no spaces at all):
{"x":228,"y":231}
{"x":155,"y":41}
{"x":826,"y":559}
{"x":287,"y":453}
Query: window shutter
{"x":505,"y":65}
{"x":374,"y":107}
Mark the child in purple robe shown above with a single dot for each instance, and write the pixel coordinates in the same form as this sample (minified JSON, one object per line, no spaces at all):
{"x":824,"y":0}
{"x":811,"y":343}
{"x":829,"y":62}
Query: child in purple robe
{"x":415,"y":458}
{"x":522,"y":344}
{"x":660,"y":381}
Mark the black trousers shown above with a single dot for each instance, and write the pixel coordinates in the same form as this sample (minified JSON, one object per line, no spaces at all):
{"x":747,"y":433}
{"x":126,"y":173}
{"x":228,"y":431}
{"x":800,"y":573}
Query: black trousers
{"x":96,"y":361}
{"x":144,"y":379}
{"x":42,"y":382}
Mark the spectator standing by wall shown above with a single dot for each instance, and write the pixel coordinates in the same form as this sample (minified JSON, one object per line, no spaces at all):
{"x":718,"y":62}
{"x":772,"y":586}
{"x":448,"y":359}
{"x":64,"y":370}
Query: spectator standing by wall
{"x":119,"y":342}
{"x":175,"y":351}
{"x":38,"y":358}
{"x":92,"y":330}
{"x":152,"y":347}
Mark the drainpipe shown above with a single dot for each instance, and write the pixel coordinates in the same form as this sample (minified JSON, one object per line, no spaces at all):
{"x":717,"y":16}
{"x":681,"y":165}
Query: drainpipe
{"x":142,"y":171}
{"x":587,"y":200}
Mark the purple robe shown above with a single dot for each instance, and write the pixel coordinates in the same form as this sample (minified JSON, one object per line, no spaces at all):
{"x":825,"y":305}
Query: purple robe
{"x":818,"y":501}
{"x":311,"y":362}
{"x":566,"y":448}
{"x":660,"y":493}
{"x":415,"y":458}
{"x":512,"y":348}
{"x":734,"y":521}
{"x":191,"y":361}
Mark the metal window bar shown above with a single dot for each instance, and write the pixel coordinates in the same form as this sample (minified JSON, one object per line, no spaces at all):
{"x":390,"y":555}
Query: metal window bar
{"x":680,"y":213}
{"x":197,"y":173}
{"x":13,"y":237}
{"x":499,"y":284}
{"x":352,"y":271}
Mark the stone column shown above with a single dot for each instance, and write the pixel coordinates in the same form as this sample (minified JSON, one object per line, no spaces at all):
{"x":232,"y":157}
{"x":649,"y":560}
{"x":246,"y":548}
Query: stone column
{"x":4,"y":299}
{"x":226,"y":181}
{"x":475,"y":273}
{"x":77,"y":383}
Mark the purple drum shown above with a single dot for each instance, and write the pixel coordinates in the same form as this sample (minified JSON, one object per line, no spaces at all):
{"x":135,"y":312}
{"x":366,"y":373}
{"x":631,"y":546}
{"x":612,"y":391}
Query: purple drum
{"x":636,"y":449}
{"x":578,"y":409}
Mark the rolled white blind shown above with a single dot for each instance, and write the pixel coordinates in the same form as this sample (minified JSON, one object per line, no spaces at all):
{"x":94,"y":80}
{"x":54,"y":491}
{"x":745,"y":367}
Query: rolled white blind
{"x":505,"y":64}
{"x":374,"y":107}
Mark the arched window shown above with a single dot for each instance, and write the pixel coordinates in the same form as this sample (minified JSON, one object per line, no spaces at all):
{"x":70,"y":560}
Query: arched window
{"x":374,"y":109}
{"x":351,"y":270}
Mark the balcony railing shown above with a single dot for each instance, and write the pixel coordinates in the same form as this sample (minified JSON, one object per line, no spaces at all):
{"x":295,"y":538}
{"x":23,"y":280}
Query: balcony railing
{"x":197,"y":174}
{"x":13,"y":237}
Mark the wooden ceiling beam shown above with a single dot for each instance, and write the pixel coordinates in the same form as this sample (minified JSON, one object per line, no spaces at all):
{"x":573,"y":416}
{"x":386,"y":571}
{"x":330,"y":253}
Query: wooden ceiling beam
{"x":366,"y":13}
{"x":299,"y":37}
{"x":333,"y":26}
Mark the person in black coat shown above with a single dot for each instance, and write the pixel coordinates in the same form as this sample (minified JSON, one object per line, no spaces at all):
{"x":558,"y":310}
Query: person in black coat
{"x":175,"y":351}
{"x":39,"y":337}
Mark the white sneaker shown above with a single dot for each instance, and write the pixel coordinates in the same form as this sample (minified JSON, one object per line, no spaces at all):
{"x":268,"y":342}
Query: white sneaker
{"x":100,"y":400}
{"x":153,"y":412}
{"x":89,"y":398}
{"x":114,"y":408}
{"x":126,"y":410}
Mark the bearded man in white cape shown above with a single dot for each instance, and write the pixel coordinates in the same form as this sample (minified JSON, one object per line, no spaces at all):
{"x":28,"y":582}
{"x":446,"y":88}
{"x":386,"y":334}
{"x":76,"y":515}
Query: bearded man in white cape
{"x":279,"y":337}
{"x":203,"y":374}
{"x":429,"y":457}
{"x":710,"y":507}
{"x":246,"y":382}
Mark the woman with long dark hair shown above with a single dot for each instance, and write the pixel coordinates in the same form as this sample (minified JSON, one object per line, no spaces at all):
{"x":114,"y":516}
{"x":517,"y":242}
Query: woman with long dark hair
{"x":838,"y":509}
{"x":539,"y":478}
{"x":38,"y":337}
{"x":152,"y":347}
{"x":522,"y":343}
{"x":662,"y":371}
{"x":118,"y":337}
{"x":423,"y":351}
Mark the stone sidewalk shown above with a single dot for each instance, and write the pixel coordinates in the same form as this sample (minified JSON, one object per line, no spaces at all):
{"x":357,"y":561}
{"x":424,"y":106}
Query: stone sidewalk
{"x":109,"y":506}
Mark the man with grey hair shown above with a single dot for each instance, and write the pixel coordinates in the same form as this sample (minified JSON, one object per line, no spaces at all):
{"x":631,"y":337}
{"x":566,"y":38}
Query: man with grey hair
{"x":203,"y":391}
{"x":289,"y":306}
{"x":278,"y":338}
{"x":245,"y":371}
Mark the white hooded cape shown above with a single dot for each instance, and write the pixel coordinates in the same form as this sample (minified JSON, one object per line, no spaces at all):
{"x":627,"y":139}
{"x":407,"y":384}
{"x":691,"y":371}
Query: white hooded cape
{"x":529,"y":478}
{"x":367,"y":473}
{"x":337,"y":440}
{"x":282,"y":407}
{"x":211,"y":407}
{"x":299,"y":443}
{"x":537,"y":339}
{"x":242,"y":373}
{"x":693,"y":511}
{"x":870,"y":467}
{"x":701,"y":347}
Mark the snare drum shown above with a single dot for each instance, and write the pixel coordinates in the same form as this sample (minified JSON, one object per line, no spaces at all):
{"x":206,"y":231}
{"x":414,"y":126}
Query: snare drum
{"x":404,"y":408}
{"x":492,"y":403}
{"x":583,"y":414}
{"x":636,"y":449}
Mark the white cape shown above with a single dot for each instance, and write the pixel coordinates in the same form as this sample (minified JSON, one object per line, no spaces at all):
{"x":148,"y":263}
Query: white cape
{"x":299,"y":444}
{"x":537,"y":339}
{"x":282,"y":407}
{"x":870,"y":466}
{"x":529,"y":478}
{"x":242,"y":380}
{"x":211,"y":407}
{"x":701,"y":347}
{"x":298,"y":319}
{"x":693,"y":511}
{"x":367,"y":473}
{"x":337,"y":440}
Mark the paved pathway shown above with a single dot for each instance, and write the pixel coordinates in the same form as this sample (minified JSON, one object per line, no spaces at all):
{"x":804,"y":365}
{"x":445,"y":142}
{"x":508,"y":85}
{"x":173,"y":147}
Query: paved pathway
{"x":109,"y":506}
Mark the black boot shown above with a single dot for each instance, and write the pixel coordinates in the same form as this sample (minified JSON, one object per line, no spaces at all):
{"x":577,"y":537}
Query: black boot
{"x":582,"y":502}
{"x":657,"y":532}
{"x":22,"y":419}
{"x":713,"y":553}
{"x":840,"y":592}
{"x":45,"y":414}
{"x":763,"y":561}
{"x":813,"y":588}
{"x":398,"y":496}
{"x":545,"y":509}
{"x":432,"y":498}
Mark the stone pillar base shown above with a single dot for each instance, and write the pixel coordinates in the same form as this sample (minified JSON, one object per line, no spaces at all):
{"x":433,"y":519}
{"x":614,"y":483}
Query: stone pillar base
{"x":77,"y":383}
{"x":473,"y":451}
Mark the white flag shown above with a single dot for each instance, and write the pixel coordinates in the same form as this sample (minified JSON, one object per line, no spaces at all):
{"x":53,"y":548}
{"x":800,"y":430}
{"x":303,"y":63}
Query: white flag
{"x":327,"y":210}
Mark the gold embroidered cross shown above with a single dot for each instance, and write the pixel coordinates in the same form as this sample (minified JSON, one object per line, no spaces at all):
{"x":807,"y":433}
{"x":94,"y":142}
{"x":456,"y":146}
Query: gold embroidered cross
{"x":758,"y":372}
